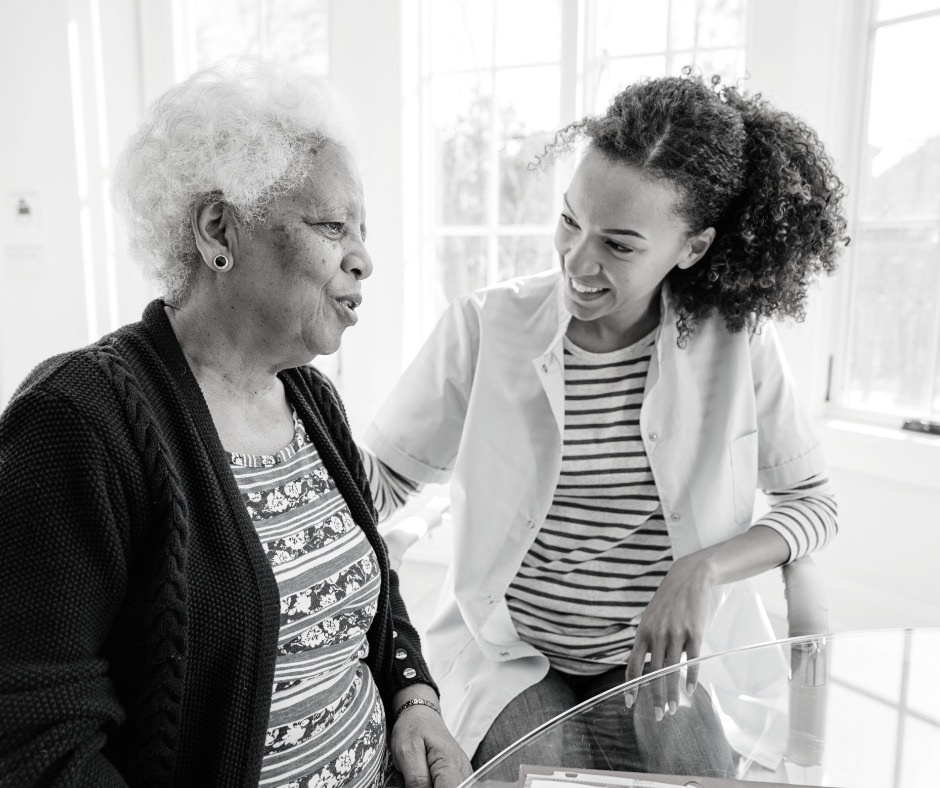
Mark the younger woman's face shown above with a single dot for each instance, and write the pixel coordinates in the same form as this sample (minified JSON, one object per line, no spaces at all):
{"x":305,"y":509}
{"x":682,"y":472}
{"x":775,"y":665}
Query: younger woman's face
{"x":617,"y":237}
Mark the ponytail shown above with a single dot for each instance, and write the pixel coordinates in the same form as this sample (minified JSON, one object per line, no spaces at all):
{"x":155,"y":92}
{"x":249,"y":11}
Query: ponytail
{"x":784,"y":229}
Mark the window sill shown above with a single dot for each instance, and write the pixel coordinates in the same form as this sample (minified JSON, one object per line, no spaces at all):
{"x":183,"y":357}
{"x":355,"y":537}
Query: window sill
{"x":888,"y":453}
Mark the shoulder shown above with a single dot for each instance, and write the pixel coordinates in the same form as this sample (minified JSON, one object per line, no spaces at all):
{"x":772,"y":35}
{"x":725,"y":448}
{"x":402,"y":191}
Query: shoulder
{"x":524,"y":291}
{"x":531,"y":304}
{"x":82,"y":382}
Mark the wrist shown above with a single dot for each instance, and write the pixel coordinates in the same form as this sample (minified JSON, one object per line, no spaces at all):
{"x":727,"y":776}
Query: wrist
{"x":701,"y":568}
{"x":414,"y":703}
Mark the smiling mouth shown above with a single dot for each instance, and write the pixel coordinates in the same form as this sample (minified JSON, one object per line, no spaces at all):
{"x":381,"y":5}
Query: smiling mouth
{"x":584,"y":289}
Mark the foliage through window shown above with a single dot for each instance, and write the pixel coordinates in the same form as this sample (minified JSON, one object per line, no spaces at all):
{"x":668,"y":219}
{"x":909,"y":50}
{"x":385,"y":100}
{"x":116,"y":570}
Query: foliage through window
{"x":288,"y":31}
{"x":497,"y":79}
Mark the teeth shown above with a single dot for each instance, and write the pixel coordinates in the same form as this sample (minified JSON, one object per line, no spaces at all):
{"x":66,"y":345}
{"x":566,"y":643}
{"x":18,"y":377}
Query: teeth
{"x":584,"y":288}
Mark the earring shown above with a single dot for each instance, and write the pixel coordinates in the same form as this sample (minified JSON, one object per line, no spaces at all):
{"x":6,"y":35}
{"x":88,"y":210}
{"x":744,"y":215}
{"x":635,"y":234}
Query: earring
{"x":221,"y":262}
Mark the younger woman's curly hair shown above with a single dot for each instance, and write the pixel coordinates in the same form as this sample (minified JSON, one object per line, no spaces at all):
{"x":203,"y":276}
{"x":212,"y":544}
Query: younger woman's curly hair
{"x":759,"y":176}
{"x":241,"y":133}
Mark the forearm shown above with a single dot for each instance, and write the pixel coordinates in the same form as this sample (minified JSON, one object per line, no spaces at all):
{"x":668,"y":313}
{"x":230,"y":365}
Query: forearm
{"x":802,"y":518}
{"x":755,"y":551}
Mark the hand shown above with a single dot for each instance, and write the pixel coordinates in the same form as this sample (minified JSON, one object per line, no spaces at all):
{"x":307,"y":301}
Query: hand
{"x":672,"y":624}
{"x":424,"y":751}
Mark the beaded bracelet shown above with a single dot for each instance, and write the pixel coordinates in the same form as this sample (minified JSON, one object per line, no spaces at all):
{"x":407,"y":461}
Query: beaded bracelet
{"x":415,"y":702}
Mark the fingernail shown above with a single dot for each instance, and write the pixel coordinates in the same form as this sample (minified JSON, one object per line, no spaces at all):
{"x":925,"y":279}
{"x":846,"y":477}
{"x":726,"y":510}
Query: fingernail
{"x":658,"y":713}
{"x":628,"y":700}
{"x":672,"y":707}
{"x":690,"y":688}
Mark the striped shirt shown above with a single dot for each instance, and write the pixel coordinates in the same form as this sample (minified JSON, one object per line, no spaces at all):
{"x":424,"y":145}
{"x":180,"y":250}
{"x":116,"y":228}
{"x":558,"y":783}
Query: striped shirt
{"x":327,"y":722}
{"x":603,"y":549}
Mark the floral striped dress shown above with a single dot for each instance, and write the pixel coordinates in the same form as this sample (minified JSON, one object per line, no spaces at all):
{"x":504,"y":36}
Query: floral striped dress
{"x":327,"y":723}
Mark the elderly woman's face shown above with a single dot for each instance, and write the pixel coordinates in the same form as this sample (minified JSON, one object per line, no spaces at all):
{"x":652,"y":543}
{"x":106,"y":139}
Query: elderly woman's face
{"x":307,"y":259}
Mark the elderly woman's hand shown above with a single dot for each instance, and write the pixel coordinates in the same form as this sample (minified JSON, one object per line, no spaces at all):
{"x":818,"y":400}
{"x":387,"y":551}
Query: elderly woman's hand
{"x":425,"y":752}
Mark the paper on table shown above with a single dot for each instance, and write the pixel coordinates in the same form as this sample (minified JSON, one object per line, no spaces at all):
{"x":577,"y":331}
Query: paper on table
{"x":549,"y":777}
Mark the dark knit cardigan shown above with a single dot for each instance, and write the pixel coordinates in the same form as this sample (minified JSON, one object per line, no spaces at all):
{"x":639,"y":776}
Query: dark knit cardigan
{"x":139,"y":614}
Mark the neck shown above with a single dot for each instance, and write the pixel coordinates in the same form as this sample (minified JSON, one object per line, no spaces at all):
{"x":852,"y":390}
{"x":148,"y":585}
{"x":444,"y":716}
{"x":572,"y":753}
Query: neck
{"x":218,"y":360}
{"x":605,"y":336}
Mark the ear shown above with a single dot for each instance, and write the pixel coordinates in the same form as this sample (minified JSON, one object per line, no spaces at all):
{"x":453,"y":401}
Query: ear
{"x":213,"y":229}
{"x":695,"y":247}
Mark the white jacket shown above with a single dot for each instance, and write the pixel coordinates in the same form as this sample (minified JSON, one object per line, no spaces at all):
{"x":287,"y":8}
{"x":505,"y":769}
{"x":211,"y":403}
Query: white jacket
{"x":483,"y":406}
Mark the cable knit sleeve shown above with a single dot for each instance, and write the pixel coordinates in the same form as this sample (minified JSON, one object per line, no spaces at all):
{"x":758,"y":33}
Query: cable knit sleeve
{"x":62,"y":558}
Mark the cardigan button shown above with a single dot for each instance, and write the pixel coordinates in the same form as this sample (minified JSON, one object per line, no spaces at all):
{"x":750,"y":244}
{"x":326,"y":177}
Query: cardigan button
{"x":401,"y":654}
{"x":394,"y":634}
{"x":409,"y":673}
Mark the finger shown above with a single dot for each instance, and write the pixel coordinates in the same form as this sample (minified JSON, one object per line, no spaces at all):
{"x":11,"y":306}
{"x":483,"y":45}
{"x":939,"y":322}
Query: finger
{"x":450,"y":775}
{"x":656,"y":686}
{"x":691,"y":680}
{"x":634,"y":671}
{"x":673,"y":657}
{"x":412,"y":762}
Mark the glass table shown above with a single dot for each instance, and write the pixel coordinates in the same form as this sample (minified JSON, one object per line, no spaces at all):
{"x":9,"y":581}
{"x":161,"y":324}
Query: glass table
{"x":846,"y":710}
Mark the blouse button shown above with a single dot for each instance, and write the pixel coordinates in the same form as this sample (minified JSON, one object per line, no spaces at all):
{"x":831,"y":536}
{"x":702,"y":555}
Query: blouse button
{"x":654,"y":436}
{"x":401,"y":654}
{"x":504,"y":653}
{"x":675,"y":516}
{"x":545,"y":368}
{"x":530,"y":524}
{"x":491,"y":600}
{"x":409,"y":673}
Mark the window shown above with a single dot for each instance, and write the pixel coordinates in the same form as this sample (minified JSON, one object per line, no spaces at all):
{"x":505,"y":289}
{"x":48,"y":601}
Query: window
{"x":889,"y":365}
{"x":289,"y":31}
{"x":495,"y":80}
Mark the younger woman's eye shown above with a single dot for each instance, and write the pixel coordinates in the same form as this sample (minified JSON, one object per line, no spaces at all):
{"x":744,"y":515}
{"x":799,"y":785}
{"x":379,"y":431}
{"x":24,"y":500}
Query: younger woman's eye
{"x":568,"y":220}
{"x":617,"y":247}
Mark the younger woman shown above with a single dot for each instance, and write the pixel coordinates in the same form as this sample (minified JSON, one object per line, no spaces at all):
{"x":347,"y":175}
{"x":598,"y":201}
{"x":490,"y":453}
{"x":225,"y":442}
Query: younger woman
{"x":605,"y":425}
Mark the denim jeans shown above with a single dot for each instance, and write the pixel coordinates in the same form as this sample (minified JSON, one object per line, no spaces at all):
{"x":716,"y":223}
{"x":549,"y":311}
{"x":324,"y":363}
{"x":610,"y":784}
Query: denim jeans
{"x":611,"y":737}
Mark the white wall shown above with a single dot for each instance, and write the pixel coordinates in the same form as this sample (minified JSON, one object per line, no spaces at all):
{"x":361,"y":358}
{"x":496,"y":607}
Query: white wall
{"x":63,"y":279}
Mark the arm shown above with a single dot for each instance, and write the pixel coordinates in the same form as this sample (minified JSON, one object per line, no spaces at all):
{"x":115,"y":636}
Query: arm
{"x":390,"y":490}
{"x":64,"y":579}
{"x":802,"y":518}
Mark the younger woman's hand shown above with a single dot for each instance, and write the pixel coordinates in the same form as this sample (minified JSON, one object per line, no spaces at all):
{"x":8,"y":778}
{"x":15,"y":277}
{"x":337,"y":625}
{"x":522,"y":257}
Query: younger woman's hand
{"x":425,"y":752}
{"x":671,"y":625}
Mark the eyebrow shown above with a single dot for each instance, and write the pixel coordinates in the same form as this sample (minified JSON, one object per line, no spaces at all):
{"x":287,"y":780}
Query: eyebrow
{"x":609,"y":230}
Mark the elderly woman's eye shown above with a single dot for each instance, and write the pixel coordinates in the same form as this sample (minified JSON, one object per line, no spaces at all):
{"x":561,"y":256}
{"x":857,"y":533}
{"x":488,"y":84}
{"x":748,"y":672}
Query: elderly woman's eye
{"x":333,"y":228}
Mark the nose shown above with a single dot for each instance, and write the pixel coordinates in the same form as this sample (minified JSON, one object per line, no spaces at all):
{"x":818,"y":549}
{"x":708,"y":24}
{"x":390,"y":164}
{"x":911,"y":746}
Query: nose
{"x":358,"y":261}
{"x":577,"y":258}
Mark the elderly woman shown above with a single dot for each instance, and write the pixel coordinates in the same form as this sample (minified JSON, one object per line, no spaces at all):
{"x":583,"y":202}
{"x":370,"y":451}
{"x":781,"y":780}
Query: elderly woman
{"x":195,"y":592}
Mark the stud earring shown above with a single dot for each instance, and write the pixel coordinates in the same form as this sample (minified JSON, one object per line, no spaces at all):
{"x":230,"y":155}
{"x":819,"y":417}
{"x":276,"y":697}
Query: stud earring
{"x":221,"y":262}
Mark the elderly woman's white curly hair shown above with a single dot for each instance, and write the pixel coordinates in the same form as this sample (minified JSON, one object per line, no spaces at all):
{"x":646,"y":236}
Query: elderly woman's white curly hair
{"x":241,"y":133}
